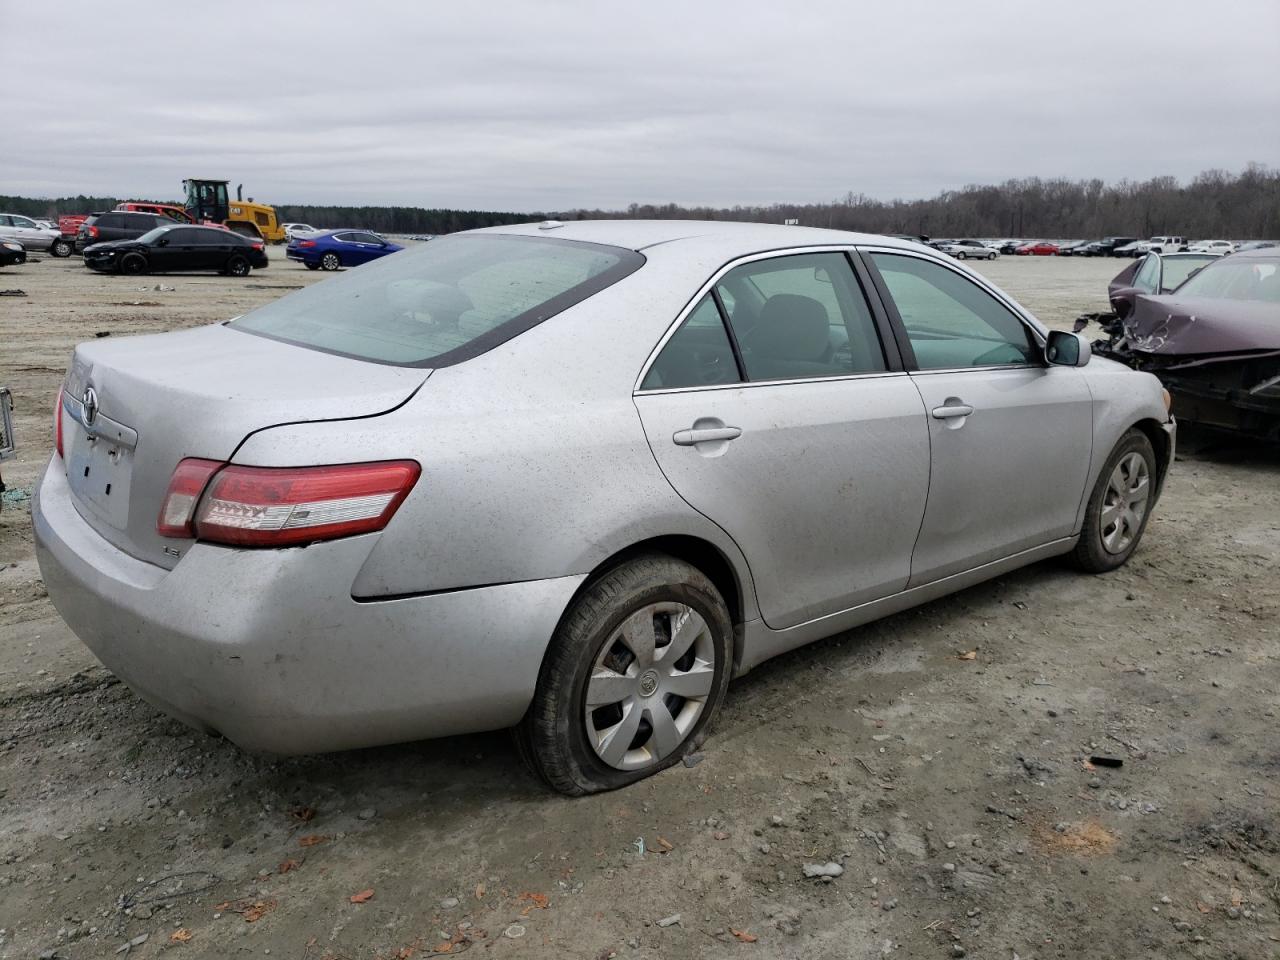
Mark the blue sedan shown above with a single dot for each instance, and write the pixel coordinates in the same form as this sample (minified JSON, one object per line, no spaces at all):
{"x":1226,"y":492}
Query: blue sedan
{"x":334,"y":249}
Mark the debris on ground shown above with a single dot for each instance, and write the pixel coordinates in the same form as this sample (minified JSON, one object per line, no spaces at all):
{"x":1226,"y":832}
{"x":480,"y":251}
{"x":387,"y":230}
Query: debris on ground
{"x":830,"y":869}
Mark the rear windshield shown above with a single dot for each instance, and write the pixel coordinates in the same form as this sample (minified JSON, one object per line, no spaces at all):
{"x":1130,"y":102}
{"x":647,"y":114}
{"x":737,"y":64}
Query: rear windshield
{"x":444,"y":301}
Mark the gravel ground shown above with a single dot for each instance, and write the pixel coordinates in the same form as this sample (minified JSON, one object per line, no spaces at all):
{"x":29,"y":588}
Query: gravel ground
{"x":939,"y":758}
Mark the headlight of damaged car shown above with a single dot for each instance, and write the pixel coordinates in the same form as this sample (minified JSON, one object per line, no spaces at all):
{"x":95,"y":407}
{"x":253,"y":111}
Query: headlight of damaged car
{"x":12,"y":246}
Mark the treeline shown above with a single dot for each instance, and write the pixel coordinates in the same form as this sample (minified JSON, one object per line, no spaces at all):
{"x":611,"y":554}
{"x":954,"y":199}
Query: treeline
{"x":1215,"y":203}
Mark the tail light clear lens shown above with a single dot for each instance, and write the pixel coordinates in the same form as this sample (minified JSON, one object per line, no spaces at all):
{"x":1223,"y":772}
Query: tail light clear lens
{"x":283,"y":506}
{"x":178,"y":511}
{"x":57,"y":423}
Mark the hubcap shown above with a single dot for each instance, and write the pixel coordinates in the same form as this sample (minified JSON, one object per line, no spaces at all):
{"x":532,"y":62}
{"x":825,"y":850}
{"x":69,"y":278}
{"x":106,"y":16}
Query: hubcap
{"x":649,"y":685}
{"x":1125,"y":503}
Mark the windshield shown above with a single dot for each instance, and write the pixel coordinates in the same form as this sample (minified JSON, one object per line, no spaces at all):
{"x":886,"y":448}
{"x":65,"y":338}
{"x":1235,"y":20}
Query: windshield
{"x":1177,"y":269}
{"x":1233,"y":279}
{"x":445,"y":301}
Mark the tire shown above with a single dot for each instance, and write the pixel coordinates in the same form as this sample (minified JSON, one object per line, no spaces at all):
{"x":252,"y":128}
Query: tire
{"x":133,"y":264}
{"x":962,"y":255}
{"x":651,"y":596}
{"x":330,"y":261}
{"x":991,"y":255}
{"x":238,"y":266}
{"x":1108,"y":539}
{"x":61,"y":249}
{"x":313,"y":266}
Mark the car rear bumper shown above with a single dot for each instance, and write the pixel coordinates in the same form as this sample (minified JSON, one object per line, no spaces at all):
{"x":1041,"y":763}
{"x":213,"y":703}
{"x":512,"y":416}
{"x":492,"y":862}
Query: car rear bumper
{"x":268,"y":647}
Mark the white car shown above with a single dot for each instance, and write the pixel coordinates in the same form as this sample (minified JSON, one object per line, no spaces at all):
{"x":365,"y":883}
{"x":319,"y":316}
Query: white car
{"x":32,"y":236}
{"x":1212,"y":246}
{"x":1154,"y":245}
{"x":292,"y":230}
{"x":967,"y":249}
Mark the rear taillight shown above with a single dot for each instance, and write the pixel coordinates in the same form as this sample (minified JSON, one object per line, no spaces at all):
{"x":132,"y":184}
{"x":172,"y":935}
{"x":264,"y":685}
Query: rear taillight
{"x":57,"y":424}
{"x":177,"y":512}
{"x":257,"y":246}
{"x":93,"y":231}
{"x":283,"y":506}
{"x":306,"y":243}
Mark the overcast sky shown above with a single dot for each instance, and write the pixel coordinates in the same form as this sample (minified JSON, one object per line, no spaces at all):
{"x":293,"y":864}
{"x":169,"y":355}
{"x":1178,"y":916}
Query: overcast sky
{"x":552,"y":106}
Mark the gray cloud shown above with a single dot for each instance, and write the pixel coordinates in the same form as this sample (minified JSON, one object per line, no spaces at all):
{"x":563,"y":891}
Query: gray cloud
{"x":554,"y":105}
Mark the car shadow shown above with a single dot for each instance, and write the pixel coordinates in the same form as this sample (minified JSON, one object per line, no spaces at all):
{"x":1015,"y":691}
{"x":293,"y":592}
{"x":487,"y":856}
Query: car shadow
{"x":1224,"y":447}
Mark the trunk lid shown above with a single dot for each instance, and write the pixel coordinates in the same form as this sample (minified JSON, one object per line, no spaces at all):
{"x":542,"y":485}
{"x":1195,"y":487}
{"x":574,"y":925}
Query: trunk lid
{"x":153,"y":400}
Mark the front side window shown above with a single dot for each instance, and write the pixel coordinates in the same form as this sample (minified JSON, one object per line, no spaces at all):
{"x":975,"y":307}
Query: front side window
{"x":800,"y":316}
{"x":1177,"y":269}
{"x":951,"y":321}
{"x":1148,"y":275}
{"x":697,"y":355}
{"x":445,"y":301}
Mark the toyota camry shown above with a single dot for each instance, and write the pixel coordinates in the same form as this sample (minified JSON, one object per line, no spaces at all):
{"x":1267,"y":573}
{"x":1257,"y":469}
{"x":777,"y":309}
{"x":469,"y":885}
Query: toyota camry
{"x":571,"y":479}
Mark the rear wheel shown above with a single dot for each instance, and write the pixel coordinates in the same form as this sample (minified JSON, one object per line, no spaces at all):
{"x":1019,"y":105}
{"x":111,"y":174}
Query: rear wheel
{"x":330,"y":261}
{"x":133,"y":264}
{"x":60,"y":248}
{"x":962,"y":255}
{"x":238,"y":266}
{"x":633,"y":677}
{"x":1119,"y":506}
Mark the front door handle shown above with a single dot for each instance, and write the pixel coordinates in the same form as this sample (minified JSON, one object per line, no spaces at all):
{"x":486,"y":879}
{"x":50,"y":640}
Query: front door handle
{"x":949,"y":411}
{"x":687,"y":438}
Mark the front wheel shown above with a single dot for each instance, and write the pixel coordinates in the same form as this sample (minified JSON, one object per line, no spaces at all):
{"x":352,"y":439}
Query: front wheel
{"x":962,"y":256}
{"x":61,"y":248}
{"x":633,"y":677}
{"x":991,"y":255}
{"x":132,"y":264}
{"x":1119,"y":506}
{"x":330,"y":261}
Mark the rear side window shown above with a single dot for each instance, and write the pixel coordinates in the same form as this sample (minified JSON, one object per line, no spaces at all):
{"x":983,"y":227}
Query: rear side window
{"x":115,"y":220}
{"x":445,"y":301}
{"x":801,"y":316}
{"x":951,"y":321}
{"x":697,"y":355}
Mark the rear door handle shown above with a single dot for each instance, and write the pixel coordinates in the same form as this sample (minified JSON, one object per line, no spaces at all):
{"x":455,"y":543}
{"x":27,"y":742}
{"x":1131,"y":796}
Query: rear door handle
{"x":687,"y":438}
{"x":951,"y":410}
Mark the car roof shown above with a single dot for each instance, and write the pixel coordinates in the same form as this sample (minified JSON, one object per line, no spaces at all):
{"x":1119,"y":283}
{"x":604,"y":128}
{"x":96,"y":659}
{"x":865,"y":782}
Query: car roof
{"x":735,"y":237}
{"x":1258,"y":253}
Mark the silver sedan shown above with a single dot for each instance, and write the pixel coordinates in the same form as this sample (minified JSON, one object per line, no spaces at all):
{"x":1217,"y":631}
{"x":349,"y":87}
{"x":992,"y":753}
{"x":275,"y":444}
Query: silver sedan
{"x":571,"y":479}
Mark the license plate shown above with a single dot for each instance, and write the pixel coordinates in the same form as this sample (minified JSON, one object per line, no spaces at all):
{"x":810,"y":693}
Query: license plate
{"x":99,"y":471}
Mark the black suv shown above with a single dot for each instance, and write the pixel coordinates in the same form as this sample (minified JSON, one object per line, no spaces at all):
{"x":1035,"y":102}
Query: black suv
{"x":117,"y":225}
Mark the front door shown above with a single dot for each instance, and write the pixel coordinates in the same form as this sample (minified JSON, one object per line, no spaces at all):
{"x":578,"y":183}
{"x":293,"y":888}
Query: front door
{"x":1011,"y":437}
{"x":772,"y":411}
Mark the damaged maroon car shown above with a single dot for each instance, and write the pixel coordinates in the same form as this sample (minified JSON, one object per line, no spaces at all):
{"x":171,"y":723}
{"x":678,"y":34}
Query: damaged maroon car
{"x":1213,"y":340}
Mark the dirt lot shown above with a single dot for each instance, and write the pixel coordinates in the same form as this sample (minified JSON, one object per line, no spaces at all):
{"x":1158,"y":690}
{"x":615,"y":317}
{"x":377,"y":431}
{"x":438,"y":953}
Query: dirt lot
{"x":954,"y":790}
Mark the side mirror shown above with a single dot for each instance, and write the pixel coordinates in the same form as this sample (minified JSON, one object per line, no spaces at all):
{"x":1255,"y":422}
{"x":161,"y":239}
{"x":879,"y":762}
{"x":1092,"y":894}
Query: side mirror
{"x":1124,"y":300}
{"x":1064,"y":349}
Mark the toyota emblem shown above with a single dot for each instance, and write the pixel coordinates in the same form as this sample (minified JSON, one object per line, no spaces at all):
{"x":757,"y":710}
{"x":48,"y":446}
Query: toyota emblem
{"x":90,"y":401}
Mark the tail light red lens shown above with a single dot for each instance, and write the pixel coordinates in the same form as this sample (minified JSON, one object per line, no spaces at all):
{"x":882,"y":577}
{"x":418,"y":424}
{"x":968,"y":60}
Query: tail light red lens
{"x":93,"y":231}
{"x":57,"y":423}
{"x":283,"y":506}
{"x":178,"y":511}
{"x":257,"y":246}
{"x":306,"y":243}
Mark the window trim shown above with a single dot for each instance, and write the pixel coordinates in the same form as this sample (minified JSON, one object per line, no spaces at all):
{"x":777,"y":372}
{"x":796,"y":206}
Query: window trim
{"x":1039,"y":333}
{"x":892,"y":357}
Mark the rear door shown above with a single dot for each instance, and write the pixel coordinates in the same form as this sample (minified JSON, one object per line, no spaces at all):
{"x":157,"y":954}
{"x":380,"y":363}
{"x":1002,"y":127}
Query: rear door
{"x":774,"y":409}
{"x":1011,"y":437}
